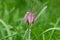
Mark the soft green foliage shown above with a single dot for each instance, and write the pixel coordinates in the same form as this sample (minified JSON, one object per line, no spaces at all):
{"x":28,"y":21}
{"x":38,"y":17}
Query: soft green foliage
{"x":46,"y":26}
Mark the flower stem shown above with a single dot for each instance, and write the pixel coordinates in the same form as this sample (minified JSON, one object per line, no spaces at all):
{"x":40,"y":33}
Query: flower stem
{"x":29,"y":30}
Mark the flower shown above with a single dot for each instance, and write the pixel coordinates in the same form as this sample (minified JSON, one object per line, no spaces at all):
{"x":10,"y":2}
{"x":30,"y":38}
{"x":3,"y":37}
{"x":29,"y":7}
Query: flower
{"x":29,"y":18}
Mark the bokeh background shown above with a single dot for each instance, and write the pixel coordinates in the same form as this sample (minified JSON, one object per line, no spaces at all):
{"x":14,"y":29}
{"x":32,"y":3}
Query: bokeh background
{"x":12,"y":26}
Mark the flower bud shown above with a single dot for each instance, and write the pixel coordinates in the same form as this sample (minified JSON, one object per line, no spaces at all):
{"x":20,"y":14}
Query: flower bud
{"x":29,"y":18}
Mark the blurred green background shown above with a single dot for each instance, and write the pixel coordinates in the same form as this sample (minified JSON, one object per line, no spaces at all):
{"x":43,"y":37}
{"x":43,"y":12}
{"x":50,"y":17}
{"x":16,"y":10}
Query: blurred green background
{"x":12,"y":13}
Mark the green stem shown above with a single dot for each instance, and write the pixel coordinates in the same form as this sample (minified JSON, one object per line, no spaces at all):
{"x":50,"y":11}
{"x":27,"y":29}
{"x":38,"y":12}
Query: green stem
{"x":29,"y":32}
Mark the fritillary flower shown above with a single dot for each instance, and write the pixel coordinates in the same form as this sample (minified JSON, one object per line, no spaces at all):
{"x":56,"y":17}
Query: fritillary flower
{"x":29,"y":18}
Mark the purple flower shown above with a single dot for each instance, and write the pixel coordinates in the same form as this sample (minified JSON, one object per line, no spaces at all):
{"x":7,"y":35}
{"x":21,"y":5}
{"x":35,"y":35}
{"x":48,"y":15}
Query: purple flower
{"x":29,"y":18}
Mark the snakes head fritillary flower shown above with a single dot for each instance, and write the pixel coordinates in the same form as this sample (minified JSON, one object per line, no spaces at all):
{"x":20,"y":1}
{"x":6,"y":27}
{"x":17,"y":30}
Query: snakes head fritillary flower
{"x":29,"y":18}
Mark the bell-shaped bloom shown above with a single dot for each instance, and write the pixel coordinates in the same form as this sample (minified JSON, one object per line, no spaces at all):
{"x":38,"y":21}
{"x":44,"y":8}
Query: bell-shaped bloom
{"x":29,"y":18}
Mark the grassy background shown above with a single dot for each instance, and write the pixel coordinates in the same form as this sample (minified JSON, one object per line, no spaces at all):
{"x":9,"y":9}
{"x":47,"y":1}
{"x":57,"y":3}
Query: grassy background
{"x":12,"y":13}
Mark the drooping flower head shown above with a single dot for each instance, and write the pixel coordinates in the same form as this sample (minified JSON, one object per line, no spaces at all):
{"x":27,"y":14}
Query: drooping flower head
{"x":29,"y":18}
